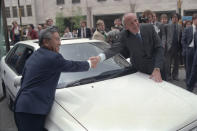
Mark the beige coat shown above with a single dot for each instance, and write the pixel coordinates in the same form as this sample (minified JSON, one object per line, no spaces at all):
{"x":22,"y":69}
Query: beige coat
{"x":98,"y":36}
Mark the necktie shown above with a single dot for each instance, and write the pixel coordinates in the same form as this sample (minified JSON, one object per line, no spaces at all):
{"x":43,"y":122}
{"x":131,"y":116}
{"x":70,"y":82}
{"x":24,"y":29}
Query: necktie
{"x":139,"y":36}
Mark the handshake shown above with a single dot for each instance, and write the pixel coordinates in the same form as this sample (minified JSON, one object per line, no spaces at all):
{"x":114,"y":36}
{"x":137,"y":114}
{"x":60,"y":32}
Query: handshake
{"x":94,"y":60}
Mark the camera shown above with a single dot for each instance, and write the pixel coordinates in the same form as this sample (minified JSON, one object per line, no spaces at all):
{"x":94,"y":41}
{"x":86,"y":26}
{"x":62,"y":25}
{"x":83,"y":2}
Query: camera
{"x":143,"y":19}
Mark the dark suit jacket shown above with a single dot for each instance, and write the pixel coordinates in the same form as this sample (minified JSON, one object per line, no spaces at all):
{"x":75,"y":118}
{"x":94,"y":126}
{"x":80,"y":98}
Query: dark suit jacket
{"x":169,"y":31}
{"x":88,"y":33}
{"x":193,"y":77}
{"x":187,"y":37}
{"x":145,"y":55}
{"x":40,"y":78}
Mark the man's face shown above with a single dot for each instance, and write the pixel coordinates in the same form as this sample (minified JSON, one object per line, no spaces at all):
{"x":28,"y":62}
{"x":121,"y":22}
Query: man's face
{"x":101,"y":27}
{"x":49,"y":22}
{"x":83,"y":24}
{"x":29,"y":28}
{"x":54,"y":43}
{"x":164,"y":20}
{"x":132,"y":24}
{"x":175,"y":19}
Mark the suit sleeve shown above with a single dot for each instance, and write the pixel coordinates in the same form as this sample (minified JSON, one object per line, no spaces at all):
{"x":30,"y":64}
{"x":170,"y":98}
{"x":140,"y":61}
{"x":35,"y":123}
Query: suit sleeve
{"x":183,"y":42}
{"x":163,"y":35}
{"x":118,"y":47}
{"x":158,"y":50}
{"x":193,"y":76}
{"x":64,"y":65}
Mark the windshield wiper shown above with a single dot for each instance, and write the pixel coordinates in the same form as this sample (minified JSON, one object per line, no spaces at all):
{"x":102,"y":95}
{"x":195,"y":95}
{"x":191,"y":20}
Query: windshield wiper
{"x":103,"y":76}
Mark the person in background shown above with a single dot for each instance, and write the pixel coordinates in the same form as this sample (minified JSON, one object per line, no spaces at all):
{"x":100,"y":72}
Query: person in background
{"x":164,"y":19}
{"x":32,"y":34}
{"x":172,"y":45}
{"x":84,"y":32}
{"x":39,"y":27}
{"x":189,"y":43}
{"x":74,"y":33}
{"x":15,"y":33}
{"x":148,"y":15}
{"x":67,"y":33}
{"x":118,"y":24}
{"x":100,"y":33}
{"x":49,"y":22}
{"x":187,"y":23}
{"x":40,"y":77}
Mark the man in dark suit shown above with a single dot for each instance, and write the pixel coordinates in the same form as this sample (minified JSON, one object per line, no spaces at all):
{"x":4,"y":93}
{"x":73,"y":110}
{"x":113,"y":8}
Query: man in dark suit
{"x":142,"y":44}
{"x":189,"y":42}
{"x":84,"y":32}
{"x":39,"y":80}
{"x":172,"y":44}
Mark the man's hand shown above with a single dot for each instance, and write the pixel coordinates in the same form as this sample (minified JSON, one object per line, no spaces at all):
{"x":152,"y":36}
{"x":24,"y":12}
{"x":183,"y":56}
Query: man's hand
{"x":156,"y":75}
{"x":94,"y":61}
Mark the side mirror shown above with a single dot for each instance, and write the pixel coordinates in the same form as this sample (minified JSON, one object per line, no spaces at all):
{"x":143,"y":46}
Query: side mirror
{"x":17,"y":81}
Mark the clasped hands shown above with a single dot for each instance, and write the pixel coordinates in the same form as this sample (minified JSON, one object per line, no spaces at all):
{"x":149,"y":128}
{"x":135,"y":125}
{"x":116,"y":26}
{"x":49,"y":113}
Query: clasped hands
{"x":94,"y":61}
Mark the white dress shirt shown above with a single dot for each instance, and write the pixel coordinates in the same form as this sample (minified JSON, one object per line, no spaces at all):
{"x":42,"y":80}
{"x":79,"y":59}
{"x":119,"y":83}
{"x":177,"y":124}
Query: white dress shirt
{"x":194,"y":30}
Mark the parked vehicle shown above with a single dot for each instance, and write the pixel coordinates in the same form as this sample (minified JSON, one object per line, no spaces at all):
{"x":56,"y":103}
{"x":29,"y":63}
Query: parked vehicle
{"x":111,"y":97}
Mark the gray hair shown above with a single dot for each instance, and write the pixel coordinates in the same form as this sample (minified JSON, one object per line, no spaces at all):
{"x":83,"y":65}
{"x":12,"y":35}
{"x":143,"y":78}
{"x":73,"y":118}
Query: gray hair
{"x":46,"y":34}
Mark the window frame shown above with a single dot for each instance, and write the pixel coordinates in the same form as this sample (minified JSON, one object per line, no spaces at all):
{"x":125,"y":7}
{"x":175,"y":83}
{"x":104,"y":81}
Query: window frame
{"x":60,"y":2}
{"x":29,"y":10}
{"x":14,"y":11}
{"x":7,"y":12}
{"x":12,"y":52}
{"x":76,"y":1}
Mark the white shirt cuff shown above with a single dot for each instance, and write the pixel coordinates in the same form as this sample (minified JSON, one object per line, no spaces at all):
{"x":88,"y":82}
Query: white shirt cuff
{"x":90,"y":65}
{"x":102,"y":56}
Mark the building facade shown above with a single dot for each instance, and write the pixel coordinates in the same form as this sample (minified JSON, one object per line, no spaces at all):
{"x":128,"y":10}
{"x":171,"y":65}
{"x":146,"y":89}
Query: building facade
{"x":37,"y":11}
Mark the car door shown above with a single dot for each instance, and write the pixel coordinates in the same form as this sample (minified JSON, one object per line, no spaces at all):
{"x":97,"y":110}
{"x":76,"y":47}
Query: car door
{"x":14,"y":64}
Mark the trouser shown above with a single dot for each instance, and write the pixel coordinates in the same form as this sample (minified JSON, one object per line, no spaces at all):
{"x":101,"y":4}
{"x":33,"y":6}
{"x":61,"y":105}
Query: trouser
{"x":189,"y":61}
{"x":171,"y":57}
{"x":29,"y":122}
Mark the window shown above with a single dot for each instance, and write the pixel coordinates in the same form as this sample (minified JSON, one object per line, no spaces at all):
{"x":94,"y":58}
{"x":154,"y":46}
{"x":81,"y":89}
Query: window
{"x":14,"y":11}
{"x":101,"y":0}
{"x":75,"y":1}
{"x":7,"y":12}
{"x":17,"y":58}
{"x":29,"y":10}
{"x":22,"y":11}
{"x":59,"y":2}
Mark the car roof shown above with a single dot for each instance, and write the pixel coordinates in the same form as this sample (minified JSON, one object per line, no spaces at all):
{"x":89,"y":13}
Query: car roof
{"x":35,"y":43}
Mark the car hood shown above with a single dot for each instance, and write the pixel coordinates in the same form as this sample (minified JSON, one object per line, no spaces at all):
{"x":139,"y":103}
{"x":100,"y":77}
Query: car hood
{"x":132,"y":102}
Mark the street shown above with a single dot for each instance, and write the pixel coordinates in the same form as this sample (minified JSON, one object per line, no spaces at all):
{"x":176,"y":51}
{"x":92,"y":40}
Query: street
{"x":6,"y":116}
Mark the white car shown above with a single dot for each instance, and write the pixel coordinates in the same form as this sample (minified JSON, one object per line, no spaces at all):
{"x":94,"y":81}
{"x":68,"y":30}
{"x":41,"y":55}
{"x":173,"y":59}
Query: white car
{"x":111,"y":97}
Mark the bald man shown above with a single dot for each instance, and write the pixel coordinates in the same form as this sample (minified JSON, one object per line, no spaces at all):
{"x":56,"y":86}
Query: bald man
{"x":141,"y":43}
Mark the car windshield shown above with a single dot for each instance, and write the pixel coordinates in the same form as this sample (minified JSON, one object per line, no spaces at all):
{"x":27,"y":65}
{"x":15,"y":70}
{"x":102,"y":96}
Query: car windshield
{"x":82,"y":52}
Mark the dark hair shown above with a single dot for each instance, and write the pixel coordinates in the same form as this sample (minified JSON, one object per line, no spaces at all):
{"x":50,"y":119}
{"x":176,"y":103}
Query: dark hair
{"x":177,"y":15}
{"x":146,"y":13}
{"x":31,"y":25}
{"x":194,"y":16}
{"x":164,"y":16}
{"x":46,"y":34}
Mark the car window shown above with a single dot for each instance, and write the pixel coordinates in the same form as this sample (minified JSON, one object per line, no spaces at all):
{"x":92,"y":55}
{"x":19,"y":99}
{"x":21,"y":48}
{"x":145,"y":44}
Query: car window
{"x":17,"y":58}
{"x":82,"y":52}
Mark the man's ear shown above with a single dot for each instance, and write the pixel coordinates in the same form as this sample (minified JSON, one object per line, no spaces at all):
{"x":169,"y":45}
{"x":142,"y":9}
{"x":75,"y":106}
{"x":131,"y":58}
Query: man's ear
{"x":46,"y":43}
